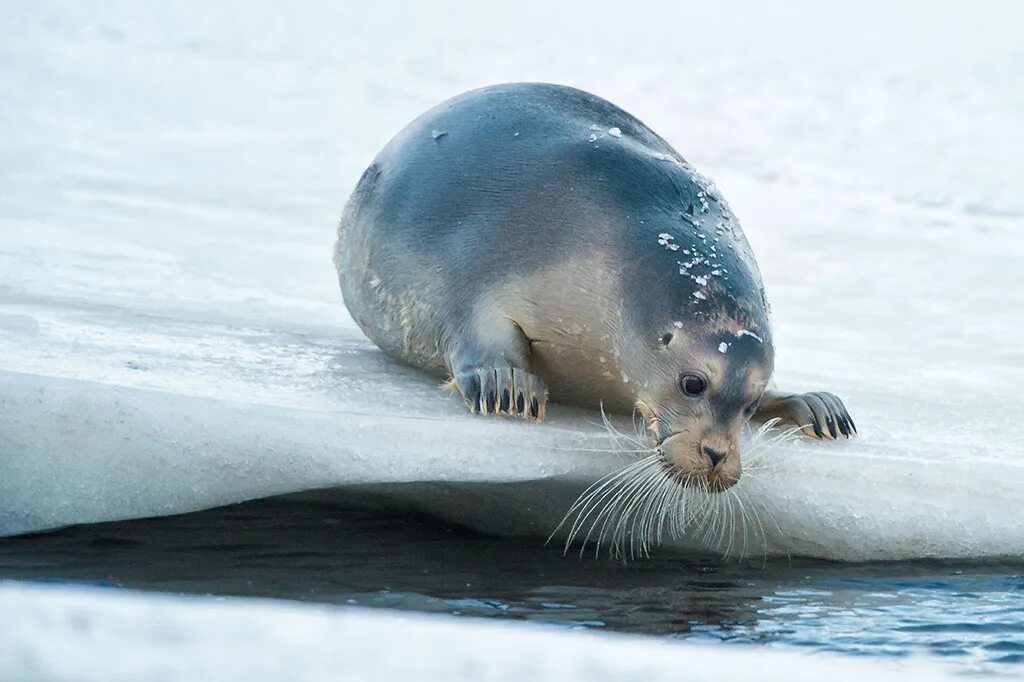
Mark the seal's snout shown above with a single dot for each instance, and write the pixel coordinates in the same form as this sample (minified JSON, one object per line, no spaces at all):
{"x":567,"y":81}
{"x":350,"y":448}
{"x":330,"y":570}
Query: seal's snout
{"x":712,"y":462}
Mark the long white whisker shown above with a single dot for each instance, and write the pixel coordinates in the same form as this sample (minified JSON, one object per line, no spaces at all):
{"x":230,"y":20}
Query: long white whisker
{"x":611,"y":508}
{"x":588,"y":496}
{"x":637,"y":533}
{"x":632,"y":499}
{"x":649,"y":529}
{"x":743,"y":523}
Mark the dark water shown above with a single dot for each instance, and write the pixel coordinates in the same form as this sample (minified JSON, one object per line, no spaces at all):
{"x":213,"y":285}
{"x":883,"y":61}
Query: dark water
{"x":293,"y":548}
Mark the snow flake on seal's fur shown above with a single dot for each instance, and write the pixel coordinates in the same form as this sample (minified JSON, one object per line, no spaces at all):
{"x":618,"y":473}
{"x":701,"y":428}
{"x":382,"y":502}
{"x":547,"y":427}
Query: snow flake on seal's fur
{"x":665,"y":239}
{"x":746,"y":332}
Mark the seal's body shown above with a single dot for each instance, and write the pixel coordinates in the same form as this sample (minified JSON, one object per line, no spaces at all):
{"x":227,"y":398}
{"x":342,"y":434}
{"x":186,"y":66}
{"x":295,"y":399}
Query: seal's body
{"x":527,"y":237}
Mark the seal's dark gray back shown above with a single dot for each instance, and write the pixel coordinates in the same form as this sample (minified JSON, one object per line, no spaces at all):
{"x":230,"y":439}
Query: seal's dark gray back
{"x":518,"y":178}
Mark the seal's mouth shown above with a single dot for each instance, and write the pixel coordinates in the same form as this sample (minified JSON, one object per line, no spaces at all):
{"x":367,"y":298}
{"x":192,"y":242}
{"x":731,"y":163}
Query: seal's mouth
{"x":718,"y":482}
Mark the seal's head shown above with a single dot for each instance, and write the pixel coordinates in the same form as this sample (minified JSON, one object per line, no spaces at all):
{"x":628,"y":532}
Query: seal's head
{"x":704,"y":387}
{"x":702,"y":347}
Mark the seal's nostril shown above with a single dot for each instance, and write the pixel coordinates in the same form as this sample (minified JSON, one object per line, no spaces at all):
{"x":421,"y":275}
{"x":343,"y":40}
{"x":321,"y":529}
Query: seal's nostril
{"x":715,"y":456}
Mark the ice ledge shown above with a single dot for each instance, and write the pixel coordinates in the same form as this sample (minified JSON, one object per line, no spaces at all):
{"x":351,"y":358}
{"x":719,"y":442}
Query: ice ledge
{"x":78,"y":451}
{"x":107,"y":416}
{"x":81,"y":452}
{"x":82,"y":634}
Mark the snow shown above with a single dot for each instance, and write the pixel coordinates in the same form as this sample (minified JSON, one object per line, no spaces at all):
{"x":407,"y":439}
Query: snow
{"x":746,"y":332}
{"x":665,"y":239}
{"x":172,"y":336}
{"x":84,"y":634}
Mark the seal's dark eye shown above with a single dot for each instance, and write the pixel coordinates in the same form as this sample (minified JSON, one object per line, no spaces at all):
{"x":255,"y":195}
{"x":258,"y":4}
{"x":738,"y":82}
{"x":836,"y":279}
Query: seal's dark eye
{"x":692,"y":385}
{"x":666,"y":339}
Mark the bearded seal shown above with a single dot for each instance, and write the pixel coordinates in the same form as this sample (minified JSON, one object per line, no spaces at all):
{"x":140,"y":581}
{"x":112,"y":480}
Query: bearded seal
{"x":528,"y":237}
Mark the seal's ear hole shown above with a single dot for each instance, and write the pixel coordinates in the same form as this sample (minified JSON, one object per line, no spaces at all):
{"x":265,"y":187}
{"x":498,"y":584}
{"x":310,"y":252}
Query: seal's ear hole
{"x":666,"y":339}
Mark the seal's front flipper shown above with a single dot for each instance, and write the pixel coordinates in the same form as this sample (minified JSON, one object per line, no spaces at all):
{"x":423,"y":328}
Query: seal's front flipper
{"x":503,"y":390}
{"x":491,"y":371}
{"x":819,"y":414}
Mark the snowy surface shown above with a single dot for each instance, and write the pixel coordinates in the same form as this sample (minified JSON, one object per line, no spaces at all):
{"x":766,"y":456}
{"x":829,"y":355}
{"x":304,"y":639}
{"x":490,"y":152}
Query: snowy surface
{"x":82,"y":634}
{"x":172,"y":337}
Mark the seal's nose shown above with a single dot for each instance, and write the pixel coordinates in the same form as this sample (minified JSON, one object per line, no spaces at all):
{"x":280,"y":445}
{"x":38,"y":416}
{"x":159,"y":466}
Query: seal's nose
{"x":716,"y":457}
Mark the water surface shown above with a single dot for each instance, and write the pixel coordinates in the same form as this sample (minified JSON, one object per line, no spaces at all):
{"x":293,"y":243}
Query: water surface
{"x":319,"y":551}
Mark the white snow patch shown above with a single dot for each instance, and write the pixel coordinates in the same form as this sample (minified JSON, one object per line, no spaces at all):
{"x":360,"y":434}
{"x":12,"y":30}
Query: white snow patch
{"x":746,"y":332}
{"x":665,"y":239}
{"x":723,"y":347}
{"x":615,"y":132}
